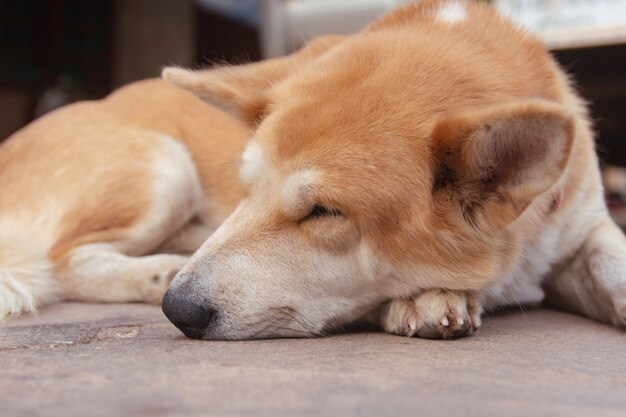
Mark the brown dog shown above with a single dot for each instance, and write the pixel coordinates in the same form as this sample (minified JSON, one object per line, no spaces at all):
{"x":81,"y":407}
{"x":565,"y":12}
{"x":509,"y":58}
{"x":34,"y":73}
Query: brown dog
{"x":436,"y":163}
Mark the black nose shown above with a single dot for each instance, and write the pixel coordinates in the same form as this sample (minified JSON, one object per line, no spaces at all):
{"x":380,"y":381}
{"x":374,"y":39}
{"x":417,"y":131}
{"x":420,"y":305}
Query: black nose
{"x":191,"y":318}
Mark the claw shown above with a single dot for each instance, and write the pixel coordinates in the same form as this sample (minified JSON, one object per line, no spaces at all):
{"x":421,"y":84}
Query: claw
{"x":444,"y":322}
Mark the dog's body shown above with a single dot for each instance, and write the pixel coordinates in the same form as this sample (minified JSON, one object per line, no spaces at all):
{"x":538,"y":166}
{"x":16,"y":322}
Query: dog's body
{"x":438,"y":159}
{"x":90,"y":190}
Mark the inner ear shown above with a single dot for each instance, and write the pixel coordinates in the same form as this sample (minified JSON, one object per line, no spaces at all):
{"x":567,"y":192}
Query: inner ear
{"x":503,"y":155}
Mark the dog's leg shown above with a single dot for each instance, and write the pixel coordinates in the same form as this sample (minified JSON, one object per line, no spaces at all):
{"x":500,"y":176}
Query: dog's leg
{"x":126,"y":263}
{"x":432,"y":314}
{"x":99,"y":273}
{"x":593,"y":282}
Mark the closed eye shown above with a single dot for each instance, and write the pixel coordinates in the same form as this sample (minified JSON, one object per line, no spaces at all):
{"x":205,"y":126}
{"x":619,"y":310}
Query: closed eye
{"x":319,"y":211}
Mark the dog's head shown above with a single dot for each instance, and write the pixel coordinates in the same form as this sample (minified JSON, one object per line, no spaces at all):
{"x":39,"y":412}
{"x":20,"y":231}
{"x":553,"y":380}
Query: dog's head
{"x":401,"y":158}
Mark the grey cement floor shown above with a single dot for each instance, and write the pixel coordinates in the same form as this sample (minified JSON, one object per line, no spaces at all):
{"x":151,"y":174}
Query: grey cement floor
{"x":127,"y":360}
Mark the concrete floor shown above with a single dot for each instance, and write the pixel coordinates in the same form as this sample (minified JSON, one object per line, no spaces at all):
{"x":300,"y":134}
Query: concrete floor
{"x":127,"y":360}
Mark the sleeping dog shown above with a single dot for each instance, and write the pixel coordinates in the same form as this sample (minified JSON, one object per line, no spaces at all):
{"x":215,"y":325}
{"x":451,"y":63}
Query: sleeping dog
{"x":434,"y":165}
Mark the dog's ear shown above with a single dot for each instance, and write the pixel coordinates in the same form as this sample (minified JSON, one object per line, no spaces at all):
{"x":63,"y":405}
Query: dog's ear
{"x":242,"y":90}
{"x":496,"y":161}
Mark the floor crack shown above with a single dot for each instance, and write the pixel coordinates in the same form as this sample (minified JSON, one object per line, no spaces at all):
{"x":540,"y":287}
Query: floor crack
{"x":126,"y":331}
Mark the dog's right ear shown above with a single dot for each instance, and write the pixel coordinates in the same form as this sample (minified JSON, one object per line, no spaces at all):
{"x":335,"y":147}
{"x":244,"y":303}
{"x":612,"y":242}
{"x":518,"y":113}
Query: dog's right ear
{"x":242,"y":90}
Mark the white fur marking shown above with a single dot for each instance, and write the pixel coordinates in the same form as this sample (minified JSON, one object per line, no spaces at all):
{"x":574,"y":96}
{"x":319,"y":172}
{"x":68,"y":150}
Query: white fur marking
{"x":452,"y":13}
{"x":253,"y":164}
{"x":295,"y":183}
{"x":177,"y":196}
{"x":25,"y":276}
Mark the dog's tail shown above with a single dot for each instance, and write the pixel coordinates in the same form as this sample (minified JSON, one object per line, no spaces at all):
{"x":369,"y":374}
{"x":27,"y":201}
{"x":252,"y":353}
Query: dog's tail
{"x":25,"y":277}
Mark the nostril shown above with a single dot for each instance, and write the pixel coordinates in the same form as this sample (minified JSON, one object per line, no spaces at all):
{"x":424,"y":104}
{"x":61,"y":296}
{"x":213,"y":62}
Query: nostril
{"x":195,"y":319}
{"x":185,"y":314}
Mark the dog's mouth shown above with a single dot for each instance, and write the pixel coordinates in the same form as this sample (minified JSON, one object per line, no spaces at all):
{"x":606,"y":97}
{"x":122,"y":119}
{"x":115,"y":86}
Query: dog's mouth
{"x":270,"y":330}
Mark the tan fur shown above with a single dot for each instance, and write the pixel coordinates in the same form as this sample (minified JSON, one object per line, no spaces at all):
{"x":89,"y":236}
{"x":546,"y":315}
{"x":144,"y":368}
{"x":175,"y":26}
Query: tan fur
{"x":83,"y":175}
{"x":418,"y":171}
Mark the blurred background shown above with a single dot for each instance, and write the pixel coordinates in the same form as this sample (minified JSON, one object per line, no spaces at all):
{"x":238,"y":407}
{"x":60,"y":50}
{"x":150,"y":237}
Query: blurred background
{"x":53,"y":52}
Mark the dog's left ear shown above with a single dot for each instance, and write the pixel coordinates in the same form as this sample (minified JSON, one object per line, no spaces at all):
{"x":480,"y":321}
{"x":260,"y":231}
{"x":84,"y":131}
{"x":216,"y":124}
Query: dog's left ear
{"x":242,"y":89}
{"x":497,"y":160}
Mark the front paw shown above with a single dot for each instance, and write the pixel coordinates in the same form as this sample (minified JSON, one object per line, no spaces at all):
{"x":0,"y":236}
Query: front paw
{"x":434,"y":314}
